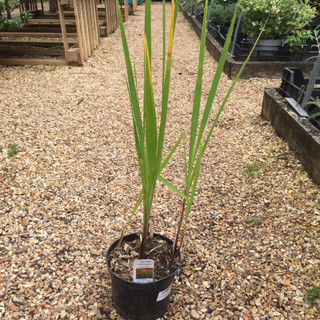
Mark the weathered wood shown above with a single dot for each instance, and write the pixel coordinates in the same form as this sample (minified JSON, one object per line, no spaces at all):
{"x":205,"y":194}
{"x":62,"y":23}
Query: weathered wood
{"x":35,"y":34}
{"x":51,"y":43}
{"x":79,"y":31}
{"x":63,"y":28}
{"x":90,"y":24}
{"x":111,"y":16}
{"x":32,"y":51}
{"x":23,"y":62}
{"x":49,"y":21}
{"x":125,"y":10}
{"x":133,"y":6}
{"x":85,"y":24}
{"x":55,"y":29}
{"x":69,"y":2}
{"x":73,"y":55}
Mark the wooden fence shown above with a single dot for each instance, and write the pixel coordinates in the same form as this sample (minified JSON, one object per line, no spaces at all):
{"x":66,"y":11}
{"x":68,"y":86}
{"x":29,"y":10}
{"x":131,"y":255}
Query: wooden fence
{"x":87,"y":25}
{"x":111,"y":16}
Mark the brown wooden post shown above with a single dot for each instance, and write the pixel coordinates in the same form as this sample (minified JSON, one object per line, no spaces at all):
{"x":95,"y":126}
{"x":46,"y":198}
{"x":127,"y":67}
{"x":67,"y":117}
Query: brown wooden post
{"x":106,"y":6}
{"x":86,"y":27}
{"x":63,"y":27}
{"x":96,"y":19}
{"x":90,"y":25}
{"x":79,"y":31}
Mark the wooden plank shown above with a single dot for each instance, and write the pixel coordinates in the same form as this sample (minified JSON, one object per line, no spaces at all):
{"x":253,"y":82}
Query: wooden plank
{"x":34,"y":43}
{"x":35,"y":34}
{"x":73,"y":55}
{"x":69,"y":2}
{"x":63,"y":29}
{"x":107,"y":11}
{"x":49,"y":21}
{"x":89,"y":24}
{"x":86,"y":30}
{"x":48,"y":30}
{"x":134,"y":5}
{"x":97,"y":21}
{"x":96,"y":24}
{"x":24,"y":62}
{"x":67,"y":15}
{"x":79,"y":31}
{"x":32,"y":51}
{"x":125,"y":10}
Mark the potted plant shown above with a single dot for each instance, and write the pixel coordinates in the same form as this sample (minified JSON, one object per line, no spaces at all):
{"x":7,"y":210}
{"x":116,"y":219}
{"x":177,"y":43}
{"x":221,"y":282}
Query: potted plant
{"x":287,"y":22}
{"x":222,"y":12}
{"x":142,"y":266}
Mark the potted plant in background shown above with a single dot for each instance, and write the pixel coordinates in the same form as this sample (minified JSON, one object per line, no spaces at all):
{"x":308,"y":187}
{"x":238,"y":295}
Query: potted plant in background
{"x":287,"y":22}
{"x":222,"y":12}
{"x":142,"y":267}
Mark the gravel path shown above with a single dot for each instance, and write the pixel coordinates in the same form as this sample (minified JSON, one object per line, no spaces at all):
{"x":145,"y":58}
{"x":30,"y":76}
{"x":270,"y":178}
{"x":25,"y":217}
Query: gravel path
{"x":252,"y":246}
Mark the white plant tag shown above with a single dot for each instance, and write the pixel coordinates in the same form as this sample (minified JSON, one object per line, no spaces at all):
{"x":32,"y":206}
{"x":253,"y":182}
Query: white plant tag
{"x":143,"y":270}
{"x":163,"y":294}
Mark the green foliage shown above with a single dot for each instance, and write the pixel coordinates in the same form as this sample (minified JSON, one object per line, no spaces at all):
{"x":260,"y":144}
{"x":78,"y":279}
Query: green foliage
{"x":252,"y":170}
{"x":253,"y":222}
{"x":222,"y":12}
{"x":13,"y":150}
{"x":313,"y":294}
{"x":52,"y":69}
{"x":316,"y":114}
{"x":10,"y":5}
{"x":10,"y":24}
{"x":286,"y":18}
{"x":1,"y":149}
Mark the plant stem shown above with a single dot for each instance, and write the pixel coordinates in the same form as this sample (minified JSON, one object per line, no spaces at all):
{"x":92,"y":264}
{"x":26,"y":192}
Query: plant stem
{"x":144,"y":238}
{"x":175,"y":249}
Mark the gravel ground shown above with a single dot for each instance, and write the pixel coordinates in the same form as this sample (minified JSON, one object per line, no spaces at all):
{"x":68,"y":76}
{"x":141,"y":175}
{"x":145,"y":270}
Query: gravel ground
{"x":252,"y":246}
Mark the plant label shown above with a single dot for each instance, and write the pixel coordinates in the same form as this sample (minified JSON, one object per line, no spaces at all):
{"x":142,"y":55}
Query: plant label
{"x":163,"y":294}
{"x":143,"y":270}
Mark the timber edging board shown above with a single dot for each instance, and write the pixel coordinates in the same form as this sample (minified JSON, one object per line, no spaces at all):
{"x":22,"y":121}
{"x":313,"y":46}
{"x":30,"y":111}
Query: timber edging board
{"x":264,"y":69}
{"x":301,"y":135}
{"x":32,"y":62}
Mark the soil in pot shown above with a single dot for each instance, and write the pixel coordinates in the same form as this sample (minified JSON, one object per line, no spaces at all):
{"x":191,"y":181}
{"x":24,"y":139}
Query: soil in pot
{"x":122,"y":257}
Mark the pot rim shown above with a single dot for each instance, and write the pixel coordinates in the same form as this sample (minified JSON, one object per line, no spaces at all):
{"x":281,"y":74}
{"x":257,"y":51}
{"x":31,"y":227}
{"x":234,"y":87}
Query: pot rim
{"x":111,"y":247}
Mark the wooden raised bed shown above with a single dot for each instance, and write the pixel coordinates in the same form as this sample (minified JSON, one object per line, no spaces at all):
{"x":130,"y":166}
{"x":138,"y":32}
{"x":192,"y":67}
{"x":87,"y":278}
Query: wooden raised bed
{"x":301,"y":136}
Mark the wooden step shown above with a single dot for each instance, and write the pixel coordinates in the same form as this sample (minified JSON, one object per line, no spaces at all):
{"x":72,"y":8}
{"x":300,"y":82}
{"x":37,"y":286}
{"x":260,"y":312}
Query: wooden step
{"x":32,"y":51}
{"x":35,"y":34}
{"x":24,"y":62}
{"x":35,"y":43}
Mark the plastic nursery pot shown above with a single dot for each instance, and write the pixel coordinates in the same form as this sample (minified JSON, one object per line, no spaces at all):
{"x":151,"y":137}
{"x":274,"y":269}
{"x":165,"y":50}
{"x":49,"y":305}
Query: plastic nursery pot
{"x":141,"y":301}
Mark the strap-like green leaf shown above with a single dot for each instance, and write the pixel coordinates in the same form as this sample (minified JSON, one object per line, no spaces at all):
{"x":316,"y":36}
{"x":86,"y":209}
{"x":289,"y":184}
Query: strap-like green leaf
{"x":166,"y":160}
{"x":172,"y":187}
{"x":198,"y":89}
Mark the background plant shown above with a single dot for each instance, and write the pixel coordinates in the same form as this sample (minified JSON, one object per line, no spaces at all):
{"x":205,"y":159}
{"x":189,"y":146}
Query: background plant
{"x":222,"y":11}
{"x":312,"y":295}
{"x":9,"y":23}
{"x":13,"y":149}
{"x":252,"y":170}
{"x":288,"y":18}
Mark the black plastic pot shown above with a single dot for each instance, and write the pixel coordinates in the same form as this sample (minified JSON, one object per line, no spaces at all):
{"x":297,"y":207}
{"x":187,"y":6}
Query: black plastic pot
{"x":140,"y":301}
